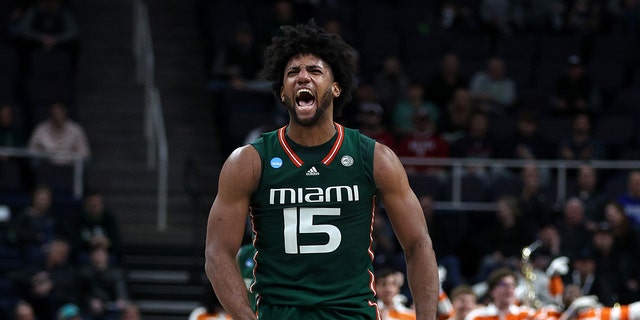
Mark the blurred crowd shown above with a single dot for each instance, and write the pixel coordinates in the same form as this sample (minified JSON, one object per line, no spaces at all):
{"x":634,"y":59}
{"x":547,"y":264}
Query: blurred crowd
{"x":488,"y":79}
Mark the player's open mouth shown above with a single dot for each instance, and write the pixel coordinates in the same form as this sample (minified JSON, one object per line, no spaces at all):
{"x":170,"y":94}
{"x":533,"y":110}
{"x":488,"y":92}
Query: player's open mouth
{"x":305,"y":98}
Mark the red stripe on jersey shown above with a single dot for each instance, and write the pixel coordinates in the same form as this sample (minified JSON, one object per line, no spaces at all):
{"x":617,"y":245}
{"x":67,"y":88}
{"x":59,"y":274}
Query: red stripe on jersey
{"x":292,"y":155}
{"x":336,"y":145}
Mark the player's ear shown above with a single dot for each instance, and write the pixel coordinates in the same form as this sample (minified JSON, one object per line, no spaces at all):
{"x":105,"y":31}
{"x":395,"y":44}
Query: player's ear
{"x":282,"y":94}
{"x":335,"y":89}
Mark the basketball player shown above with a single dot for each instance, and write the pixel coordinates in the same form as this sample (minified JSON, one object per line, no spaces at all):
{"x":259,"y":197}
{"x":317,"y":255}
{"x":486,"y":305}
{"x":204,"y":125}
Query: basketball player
{"x":310,"y":190}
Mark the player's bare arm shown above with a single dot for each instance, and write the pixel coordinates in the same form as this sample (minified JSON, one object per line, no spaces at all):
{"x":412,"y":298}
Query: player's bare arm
{"x":407,"y":219}
{"x":238,"y":178}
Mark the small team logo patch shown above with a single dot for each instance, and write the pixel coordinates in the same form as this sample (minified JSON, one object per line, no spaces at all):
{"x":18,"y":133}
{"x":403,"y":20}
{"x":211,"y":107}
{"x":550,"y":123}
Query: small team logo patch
{"x":276,"y":162}
{"x":313,"y":172}
{"x":347,"y":161}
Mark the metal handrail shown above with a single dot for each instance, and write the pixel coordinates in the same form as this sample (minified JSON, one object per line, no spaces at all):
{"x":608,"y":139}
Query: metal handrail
{"x":78,"y":163}
{"x":457,"y":166}
{"x":157,"y":149}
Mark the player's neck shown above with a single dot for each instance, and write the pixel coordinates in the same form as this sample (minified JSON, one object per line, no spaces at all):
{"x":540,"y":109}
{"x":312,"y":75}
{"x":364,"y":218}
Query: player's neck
{"x":315,"y":135}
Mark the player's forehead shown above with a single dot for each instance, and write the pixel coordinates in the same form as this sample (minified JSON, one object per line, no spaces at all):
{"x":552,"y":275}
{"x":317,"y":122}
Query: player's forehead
{"x":306,"y":60}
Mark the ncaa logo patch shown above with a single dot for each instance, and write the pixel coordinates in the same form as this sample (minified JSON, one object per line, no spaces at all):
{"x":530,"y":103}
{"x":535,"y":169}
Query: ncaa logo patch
{"x":276,"y":163}
{"x":346,"y":161}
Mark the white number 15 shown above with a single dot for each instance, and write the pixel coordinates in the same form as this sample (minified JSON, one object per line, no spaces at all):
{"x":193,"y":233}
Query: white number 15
{"x":300,"y":220}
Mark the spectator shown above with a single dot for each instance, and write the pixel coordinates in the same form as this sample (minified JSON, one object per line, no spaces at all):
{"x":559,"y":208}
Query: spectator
{"x":527,"y":143}
{"x":476,"y":143}
{"x":574,"y":233}
{"x":502,"y":299}
{"x":615,"y":269}
{"x":23,"y":311}
{"x":403,"y":123}
{"x":581,"y":145}
{"x":370,"y":121}
{"x":47,"y":25}
{"x":35,"y":227}
{"x":587,"y":190}
{"x":626,"y":238}
{"x":391,"y":83}
{"x":104,"y":287}
{"x":583,"y":274}
{"x":534,"y":198}
{"x":424,"y":141}
{"x":391,"y":302}
{"x":50,"y":285}
{"x":496,"y":16}
{"x":503,"y":240}
{"x":574,"y":90}
{"x":10,"y":134}
{"x":443,"y":83}
{"x":492,"y":89}
{"x":130,"y":312}
{"x":96,"y":225}
{"x":238,"y":64}
{"x":455,"y":121}
{"x":456,"y":17}
{"x":463,"y":300}
{"x":630,"y":200}
{"x":624,"y":16}
{"x":60,"y":137}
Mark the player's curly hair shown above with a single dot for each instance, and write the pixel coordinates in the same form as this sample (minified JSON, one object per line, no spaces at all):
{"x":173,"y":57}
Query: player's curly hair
{"x":311,"y":39}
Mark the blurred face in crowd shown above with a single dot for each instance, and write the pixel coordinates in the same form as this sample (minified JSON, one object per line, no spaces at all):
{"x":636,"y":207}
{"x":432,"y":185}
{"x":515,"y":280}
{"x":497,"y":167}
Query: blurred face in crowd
{"x":58,"y":114}
{"x":634,"y":184}
{"x":94,"y":205}
{"x":463,"y":304}
{"x":587,"y":178}
{"x":574,"y":212}
{"x":496,"y":68}
{"x":42,"y":200}
{"x":387,"y":288}
{"x":6,"y":116}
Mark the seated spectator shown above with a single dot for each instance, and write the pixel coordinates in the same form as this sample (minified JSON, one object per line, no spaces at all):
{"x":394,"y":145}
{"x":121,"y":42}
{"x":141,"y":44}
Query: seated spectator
{"x":443,"y":83}
{"x":588,"y":190}
{"x":97,"y":226}
{"x":504,"y":240}
{"x":575,"y":233}
{"x":534,"y":198}
{"x":103,"y":286}
{"x":630,"y":200}
{"x":463,"y":300}
{"x":476,"y":143}
{"x":47,"y":25}
{"x":455,"y":121}
{"x":581,"y":145}
{"x":370,"y":121}
{"x":35,"y":228}
{"x":626,"y":238}
{"x":130,"y":312}
{"x":402,"y":118}
{"x":574,"y":90}
{"x":423,"y":141}
{"x":391,"y":83}
{"x":23,"y":311}
{"x":527,"y":143}
{"x":60,"y":136}
{"x":11,"y":136}
{"x":492,"y":89}
{"x":50,"y":285}
{"x":238,"y":64}
{"x":391,"y":303}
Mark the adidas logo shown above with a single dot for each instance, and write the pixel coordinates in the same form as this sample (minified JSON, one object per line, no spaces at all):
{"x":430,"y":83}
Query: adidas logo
{"x":313,"y":172}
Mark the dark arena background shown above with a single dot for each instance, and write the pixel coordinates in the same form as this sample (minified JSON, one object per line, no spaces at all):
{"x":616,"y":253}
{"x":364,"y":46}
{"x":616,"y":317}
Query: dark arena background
{"x":516,"y":120}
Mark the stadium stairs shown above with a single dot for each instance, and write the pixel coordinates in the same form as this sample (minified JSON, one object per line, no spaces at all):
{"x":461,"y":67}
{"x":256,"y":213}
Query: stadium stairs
{"x":165,"y":268}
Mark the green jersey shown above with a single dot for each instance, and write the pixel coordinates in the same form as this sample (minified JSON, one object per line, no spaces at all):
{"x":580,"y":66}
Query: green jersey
{"x":312,"y":217}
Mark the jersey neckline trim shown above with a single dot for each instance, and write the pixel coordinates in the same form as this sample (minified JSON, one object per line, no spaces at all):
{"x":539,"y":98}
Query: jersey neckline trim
{"x":296,"y":159}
